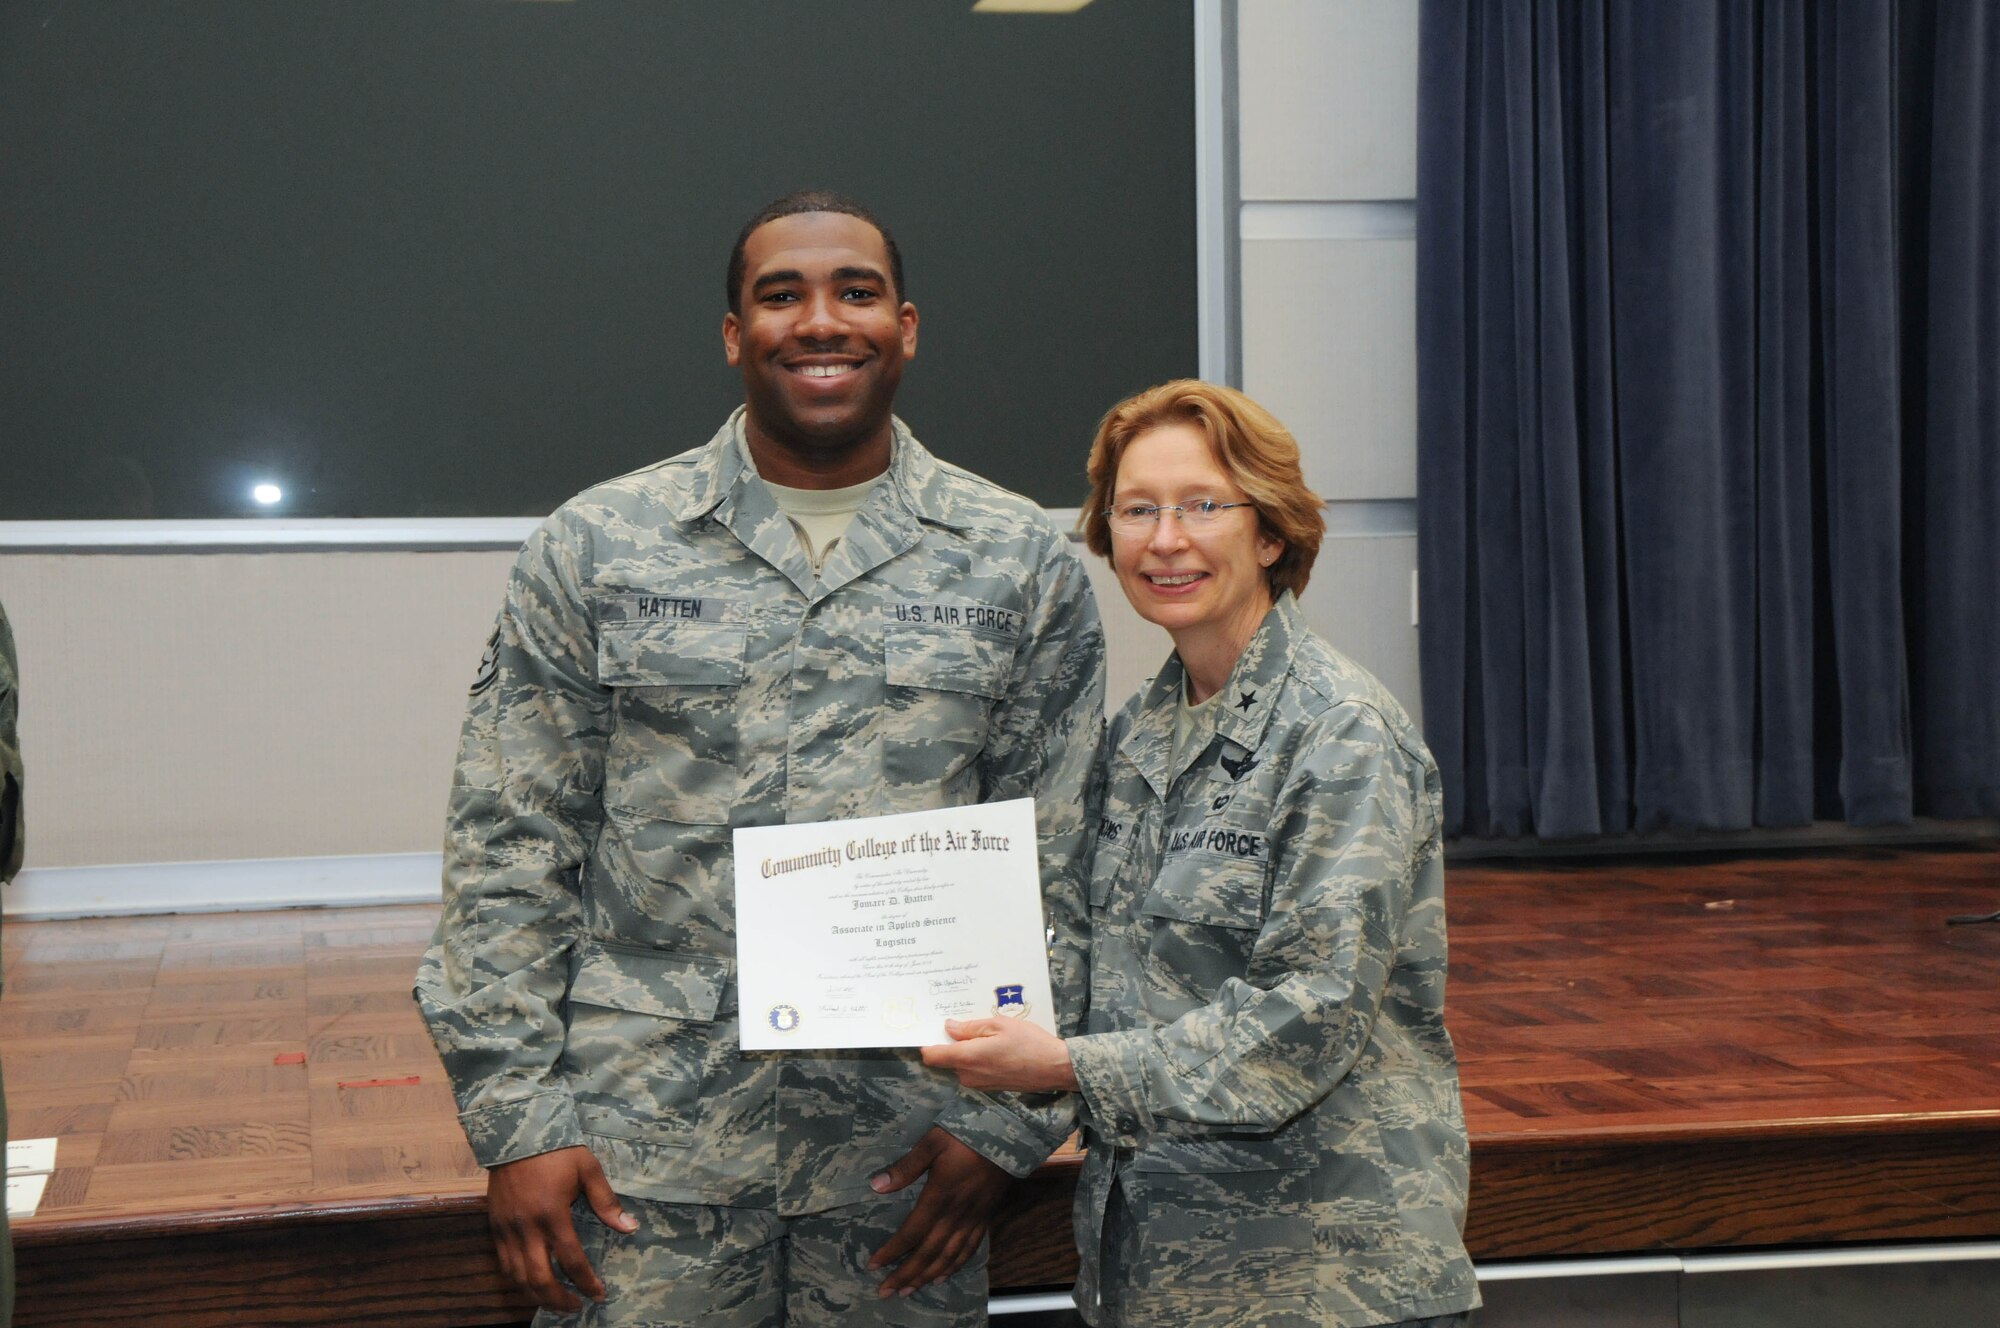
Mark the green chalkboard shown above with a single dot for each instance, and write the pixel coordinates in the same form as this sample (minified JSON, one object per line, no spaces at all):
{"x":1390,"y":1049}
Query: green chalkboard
{"x":464,"y":257}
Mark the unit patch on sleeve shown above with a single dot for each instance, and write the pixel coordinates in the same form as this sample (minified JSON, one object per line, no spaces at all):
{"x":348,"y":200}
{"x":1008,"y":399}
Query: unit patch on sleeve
{"x":489,"y":663}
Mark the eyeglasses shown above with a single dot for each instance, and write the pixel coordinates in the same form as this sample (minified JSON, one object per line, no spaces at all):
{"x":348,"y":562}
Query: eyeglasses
{"x":1194,"y":512}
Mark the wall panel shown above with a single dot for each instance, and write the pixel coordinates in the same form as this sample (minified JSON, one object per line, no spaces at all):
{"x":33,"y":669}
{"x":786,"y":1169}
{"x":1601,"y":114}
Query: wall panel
{"x":188,"y":707}
{"x":1329,"y":98}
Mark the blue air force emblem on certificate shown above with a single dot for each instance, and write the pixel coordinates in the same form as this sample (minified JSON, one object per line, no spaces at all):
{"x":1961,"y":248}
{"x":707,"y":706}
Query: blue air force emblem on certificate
{"x":1011,"y":1000}
{"x":783,"y":1018}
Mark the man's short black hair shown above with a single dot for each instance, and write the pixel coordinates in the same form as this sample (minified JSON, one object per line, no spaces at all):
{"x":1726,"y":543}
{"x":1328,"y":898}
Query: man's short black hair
{"x":810,"y":200}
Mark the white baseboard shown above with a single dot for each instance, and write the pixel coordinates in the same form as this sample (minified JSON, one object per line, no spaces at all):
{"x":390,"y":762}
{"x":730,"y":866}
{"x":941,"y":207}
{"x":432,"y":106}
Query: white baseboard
{"x":214,"y":887}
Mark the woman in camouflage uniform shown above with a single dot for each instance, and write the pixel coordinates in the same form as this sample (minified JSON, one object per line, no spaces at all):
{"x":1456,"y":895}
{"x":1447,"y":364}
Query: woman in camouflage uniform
{"x":1270,"y":1097}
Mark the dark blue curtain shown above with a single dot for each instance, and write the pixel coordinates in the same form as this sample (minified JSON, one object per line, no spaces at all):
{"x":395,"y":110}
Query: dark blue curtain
{"x":1709,"y":411}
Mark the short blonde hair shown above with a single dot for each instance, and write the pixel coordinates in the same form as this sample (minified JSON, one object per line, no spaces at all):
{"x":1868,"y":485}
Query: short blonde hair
{"x":1258,"y":453}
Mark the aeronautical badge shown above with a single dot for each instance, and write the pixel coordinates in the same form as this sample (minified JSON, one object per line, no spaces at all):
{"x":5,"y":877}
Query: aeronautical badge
{"x":1238,"y":769}
{"x":1011,"y":1001}
{"x":784,"y":1018}
{"x":489,"y":663}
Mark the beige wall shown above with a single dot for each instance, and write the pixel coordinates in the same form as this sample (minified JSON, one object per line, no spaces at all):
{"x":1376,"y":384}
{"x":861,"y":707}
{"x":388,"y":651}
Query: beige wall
{"x":193,"y":707}
{"x":220,"y":706}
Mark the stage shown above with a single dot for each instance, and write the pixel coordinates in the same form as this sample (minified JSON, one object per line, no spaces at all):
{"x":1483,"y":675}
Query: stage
{"x":1686,"y":1053}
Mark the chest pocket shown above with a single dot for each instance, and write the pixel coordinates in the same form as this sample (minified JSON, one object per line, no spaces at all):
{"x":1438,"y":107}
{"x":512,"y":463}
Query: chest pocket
{"x":673,"y":750}
{"x":1206,"y":913}
{"x":942,"y":686}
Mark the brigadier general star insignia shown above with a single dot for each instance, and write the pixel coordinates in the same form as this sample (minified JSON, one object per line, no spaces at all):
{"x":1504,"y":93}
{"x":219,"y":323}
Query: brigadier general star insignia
{"x":1246,"y":702}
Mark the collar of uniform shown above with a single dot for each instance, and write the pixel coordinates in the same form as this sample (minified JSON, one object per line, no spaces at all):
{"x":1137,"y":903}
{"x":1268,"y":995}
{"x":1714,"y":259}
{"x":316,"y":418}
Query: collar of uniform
{"x":715,"y":475}
{"x":923,"y":481}
{"x":914,"y":475}
{"x":1243,"y":708}
{"x":1149,"y":743}
{"x":1247,"y":698}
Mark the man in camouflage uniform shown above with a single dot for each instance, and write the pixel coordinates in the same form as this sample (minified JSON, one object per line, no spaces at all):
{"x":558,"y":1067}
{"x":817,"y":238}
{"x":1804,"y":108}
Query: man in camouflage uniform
{"x":685,"y":650}
{"x":12,"y":845}
{"x":1272,"y":1094}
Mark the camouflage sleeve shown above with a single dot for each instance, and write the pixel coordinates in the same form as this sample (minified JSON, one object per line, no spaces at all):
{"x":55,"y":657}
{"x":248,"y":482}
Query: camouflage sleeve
{"x":1044,"y":746}
{"x":1070,"y":938}
{"x":12,"y":843}
{"x":524,"y":812}
{"x":1256,"y":1056}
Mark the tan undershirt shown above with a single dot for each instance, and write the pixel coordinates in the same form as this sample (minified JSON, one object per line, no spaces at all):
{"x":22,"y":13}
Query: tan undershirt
{"x":1189,"y":717}
{"x":821,"y":516}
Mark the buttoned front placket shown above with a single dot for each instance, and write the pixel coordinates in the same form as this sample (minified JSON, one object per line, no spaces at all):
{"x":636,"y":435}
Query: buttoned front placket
{"x":816,"y":698}
{"x":1149,"y":798}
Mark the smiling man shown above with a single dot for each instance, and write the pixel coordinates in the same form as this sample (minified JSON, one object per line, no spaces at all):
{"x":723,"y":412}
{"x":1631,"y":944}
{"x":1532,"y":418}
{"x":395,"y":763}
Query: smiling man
{"x":809,"y":618}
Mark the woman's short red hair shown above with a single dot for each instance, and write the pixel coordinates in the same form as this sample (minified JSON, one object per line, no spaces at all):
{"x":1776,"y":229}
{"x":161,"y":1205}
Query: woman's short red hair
{"x":1256,"y":451}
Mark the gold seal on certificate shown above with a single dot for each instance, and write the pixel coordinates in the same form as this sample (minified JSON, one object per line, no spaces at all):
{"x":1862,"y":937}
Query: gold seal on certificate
{"x":873,"y":932}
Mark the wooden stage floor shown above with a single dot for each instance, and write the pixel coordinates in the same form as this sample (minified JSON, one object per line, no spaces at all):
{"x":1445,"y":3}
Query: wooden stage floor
{"x":1673,"y":1054}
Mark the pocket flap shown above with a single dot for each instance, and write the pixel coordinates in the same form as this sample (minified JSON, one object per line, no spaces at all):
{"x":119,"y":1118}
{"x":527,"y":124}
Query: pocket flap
{"x":671,"y":654}
{"x":1211,"y":1154}
{"x":1213,"y":891}
{"x":947,"y":659}
{"x":655,"y":982}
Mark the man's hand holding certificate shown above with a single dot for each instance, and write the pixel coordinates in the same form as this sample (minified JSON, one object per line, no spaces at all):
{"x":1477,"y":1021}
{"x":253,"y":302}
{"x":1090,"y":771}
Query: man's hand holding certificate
{"x":871,"y":933}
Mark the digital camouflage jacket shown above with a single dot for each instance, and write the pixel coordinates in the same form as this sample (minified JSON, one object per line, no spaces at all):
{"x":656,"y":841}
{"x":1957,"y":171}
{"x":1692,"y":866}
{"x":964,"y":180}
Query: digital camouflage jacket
{"x":1265,"y":1067}
{"x":666,"y":667}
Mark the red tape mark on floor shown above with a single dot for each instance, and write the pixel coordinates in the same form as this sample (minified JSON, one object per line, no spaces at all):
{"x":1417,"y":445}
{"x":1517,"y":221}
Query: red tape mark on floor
{"x":379,"y":1083}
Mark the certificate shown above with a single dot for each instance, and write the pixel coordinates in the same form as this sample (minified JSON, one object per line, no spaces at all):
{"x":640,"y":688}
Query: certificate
{"x":873,"y":932}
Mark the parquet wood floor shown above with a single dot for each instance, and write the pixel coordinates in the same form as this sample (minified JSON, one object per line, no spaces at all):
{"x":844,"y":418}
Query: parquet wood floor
{"x":1662,"y":999}
{"x":214,"y":1060}
{"x":1726,"y":1051}
{"x":1664,"y":1054}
